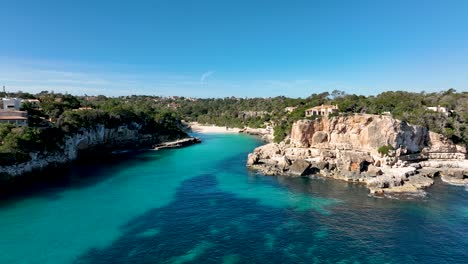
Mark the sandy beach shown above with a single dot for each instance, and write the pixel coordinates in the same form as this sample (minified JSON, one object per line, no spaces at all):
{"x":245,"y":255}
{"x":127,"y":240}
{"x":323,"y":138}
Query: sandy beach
{"x":196,"y":127}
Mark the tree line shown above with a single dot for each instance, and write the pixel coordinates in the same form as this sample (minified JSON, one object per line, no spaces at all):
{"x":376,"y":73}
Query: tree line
{"x":406,"y":106}
{"x":62,"y":114}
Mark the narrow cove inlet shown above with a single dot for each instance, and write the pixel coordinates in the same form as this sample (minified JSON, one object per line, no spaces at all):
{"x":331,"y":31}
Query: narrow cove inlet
{"x":201,"y":204}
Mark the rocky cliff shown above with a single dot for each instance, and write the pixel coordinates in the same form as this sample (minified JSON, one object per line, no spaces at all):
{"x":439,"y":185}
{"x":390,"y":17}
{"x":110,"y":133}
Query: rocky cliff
{"x":358,"y":132}
{"x":99,"y":137}
{"x":346,"y":147}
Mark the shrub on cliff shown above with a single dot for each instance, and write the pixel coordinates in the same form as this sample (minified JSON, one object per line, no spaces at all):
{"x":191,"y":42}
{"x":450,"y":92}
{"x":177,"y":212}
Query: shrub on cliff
{"x":281,"y":131}
{"x":73,"y":121}
{"x":385,"y":150}
{"x":18,"y":142}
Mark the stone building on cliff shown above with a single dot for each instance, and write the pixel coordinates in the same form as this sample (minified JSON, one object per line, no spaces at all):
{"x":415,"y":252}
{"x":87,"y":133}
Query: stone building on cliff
{"x":322,"y":110}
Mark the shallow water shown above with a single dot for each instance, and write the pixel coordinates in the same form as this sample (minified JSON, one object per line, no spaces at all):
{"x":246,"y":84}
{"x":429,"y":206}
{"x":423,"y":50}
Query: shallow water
{"x":200,"y":205}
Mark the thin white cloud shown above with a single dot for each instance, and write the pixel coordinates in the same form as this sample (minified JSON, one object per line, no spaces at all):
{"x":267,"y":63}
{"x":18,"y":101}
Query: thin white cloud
{"x":93,"y":80}
{"x":35,"y":77}
{"x":205,"y":76}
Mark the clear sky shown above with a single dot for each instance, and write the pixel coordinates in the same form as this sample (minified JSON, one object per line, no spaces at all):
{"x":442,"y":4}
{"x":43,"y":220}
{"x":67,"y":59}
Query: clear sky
{"x":209,"y":48}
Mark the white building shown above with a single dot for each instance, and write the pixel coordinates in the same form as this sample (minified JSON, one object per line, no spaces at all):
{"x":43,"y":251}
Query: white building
{"x":10,"y":111}
{"x":439,"y":109}
{"x":11,"y":103}
{"x":289,"y":109}
{"x":323,"y":110}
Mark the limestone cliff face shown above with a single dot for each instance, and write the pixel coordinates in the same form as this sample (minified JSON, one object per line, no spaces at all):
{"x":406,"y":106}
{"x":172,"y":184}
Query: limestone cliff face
{"x":346,"y":147}
{"x":367,"y":133}
{"x":442,"y":148}
{"x":85,"y":140}
{"x":358,"y":132}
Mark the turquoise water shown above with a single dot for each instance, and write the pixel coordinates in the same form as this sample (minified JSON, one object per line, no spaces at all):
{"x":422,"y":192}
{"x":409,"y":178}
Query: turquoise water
{"x":200,"y":205}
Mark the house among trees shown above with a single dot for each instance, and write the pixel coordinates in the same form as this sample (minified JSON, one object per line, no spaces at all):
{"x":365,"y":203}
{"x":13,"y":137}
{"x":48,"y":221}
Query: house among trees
{"x":82,"y":109}
{"x":11,"y":104}
{"x":16,"y":103}
{"x":173,"y":105}
{"x":10,"y":111}
{"x":289,"y":109}
{"x":15,"y":117}
{"x":34,"y":103}
{"x":440,"y":109}
{"x":322,"y":110}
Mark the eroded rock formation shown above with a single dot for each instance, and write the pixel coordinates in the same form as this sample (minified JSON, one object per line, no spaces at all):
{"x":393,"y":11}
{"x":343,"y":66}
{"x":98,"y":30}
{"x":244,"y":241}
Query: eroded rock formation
{"x":346,"y":148}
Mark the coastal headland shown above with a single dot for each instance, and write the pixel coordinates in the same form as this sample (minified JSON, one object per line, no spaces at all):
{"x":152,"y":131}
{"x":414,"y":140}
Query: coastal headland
{"x":393,"y":142}
{"x":386,"y":154}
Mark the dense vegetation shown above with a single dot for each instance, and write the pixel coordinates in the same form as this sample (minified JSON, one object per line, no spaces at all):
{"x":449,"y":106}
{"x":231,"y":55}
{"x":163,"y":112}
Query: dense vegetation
{"x":57,"y":115}
{"x":60,"y":115}
{"x":18,"y":142}
{"x":412,"y":108}
{"x":406,"y":106}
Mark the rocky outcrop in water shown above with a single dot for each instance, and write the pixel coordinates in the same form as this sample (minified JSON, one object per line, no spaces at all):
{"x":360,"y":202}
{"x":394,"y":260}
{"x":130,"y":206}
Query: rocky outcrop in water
{"x":346,"y":148}
{"x":266,"y":134}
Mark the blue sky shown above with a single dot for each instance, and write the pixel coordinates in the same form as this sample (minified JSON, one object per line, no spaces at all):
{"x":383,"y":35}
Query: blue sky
{"x":210,"y":48}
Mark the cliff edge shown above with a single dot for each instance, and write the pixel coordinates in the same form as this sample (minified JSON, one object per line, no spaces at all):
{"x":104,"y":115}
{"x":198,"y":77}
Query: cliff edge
{"x":386,"y":154}
{"x":93,"y":140}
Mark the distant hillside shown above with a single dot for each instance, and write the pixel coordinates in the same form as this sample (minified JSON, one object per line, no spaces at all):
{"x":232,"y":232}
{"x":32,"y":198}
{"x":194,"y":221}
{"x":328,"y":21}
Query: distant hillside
{"x":279,"y":111}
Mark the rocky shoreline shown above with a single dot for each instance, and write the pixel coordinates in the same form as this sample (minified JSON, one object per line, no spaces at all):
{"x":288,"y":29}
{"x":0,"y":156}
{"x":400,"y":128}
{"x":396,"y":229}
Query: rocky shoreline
{"x":347,"y":148}
{"x":95,"y":141}
{"x":264,"y":134}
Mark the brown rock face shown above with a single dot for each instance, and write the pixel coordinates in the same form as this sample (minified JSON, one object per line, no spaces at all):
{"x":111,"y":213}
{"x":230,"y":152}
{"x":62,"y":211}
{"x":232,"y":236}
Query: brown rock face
{"x":267,"y":151}
{"x":299,"y":167}
{"x":354,"y":166}
{"x":319,"y":137}
{"x":442,"y":148}
{"x":358,"y":132}
{"x":252,"y":159}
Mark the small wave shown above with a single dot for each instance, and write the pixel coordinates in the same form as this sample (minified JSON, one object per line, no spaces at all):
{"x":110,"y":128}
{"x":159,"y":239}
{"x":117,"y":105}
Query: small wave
{"x":450,"y":181}
{"x":400,"y":196}
{"x":371,"y":195}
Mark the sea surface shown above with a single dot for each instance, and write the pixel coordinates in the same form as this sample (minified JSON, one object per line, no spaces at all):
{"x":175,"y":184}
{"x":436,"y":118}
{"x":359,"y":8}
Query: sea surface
{"x":201,"y":205}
